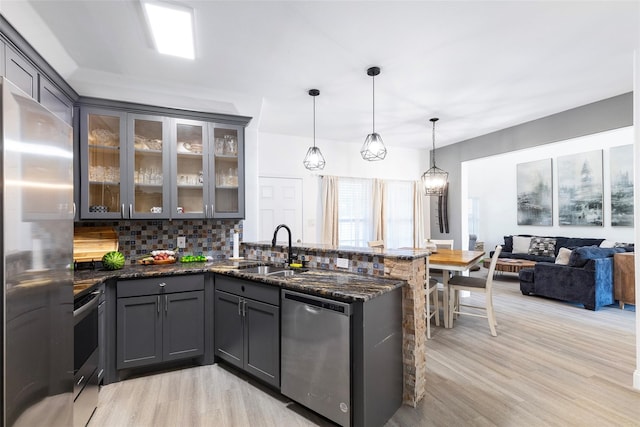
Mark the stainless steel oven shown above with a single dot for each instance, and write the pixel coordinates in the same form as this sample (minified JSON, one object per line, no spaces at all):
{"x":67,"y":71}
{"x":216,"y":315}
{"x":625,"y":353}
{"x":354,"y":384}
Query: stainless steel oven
{"x":85,"y":357}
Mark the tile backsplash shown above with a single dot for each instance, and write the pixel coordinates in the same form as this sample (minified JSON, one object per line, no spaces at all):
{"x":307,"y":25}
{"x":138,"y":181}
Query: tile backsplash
{"x":323,"y":259}
{"x":137,"y":238}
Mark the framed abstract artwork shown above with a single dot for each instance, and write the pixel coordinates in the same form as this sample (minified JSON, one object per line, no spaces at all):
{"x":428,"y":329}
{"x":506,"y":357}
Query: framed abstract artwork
{"x":621,"y":175}
{"x":534,"y":190}
{"x":580,"y":189}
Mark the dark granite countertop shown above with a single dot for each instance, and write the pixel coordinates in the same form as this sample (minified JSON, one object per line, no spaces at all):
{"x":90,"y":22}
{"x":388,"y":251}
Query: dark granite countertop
{"x":402,"y":253}
{"x":343,"y":286}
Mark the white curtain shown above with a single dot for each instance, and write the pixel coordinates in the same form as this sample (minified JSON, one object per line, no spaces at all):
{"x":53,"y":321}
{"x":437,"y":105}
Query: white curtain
{"x":418,"y":215}
{"x":330,"y":210}
{"x":379,"y":218}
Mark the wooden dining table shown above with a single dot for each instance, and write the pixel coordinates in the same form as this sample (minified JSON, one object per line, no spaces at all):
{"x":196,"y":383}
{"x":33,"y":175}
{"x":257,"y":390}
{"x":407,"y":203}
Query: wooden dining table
{"x":452,"y":260}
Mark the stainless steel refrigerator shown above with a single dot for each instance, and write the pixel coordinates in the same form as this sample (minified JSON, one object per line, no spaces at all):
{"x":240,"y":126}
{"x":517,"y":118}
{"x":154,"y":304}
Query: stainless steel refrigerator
{"x":37,"y":250}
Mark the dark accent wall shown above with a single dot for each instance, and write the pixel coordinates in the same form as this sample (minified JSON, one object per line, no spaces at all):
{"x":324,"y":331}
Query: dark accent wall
{"x":608,"y":114}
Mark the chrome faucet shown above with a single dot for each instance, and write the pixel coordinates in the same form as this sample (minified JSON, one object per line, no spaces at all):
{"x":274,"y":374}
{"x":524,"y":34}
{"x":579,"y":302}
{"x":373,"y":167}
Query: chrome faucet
{"x":273,"y":242}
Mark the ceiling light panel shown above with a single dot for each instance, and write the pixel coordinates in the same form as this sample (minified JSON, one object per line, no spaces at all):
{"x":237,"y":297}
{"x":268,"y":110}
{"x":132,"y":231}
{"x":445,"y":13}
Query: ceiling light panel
{"x":171,"y":28}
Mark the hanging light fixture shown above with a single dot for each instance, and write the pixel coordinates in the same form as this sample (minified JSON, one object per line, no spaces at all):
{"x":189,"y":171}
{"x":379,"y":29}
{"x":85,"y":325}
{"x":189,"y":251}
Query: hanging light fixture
{"x":373,"y":148}
{"x":314,"y":160}
{"x":435,"y":179}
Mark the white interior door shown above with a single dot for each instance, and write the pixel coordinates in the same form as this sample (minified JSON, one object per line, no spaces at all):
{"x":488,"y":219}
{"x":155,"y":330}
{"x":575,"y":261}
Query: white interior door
{"x":280,"y":202}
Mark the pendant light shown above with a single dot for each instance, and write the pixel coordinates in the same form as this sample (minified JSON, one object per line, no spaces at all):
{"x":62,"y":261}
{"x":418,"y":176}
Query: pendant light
{"x":373,"y":148}
{"x":314,"y":160}
{"x":435,"y":179}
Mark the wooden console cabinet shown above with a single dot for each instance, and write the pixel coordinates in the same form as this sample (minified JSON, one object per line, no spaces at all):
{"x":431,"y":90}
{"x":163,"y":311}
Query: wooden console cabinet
{"x":624,"y":284}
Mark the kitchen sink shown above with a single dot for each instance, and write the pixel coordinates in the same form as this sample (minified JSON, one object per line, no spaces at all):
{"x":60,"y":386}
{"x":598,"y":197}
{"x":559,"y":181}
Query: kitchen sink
{"x":263,"y":269}
{"x":270,"y":270}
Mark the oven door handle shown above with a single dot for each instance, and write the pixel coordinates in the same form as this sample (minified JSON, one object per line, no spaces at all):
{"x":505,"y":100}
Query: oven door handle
{"x":83,"y":311}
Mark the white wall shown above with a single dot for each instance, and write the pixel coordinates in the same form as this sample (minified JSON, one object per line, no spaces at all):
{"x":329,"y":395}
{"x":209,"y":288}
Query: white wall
{"x":493,"y":181}
{"x":282,"y":155}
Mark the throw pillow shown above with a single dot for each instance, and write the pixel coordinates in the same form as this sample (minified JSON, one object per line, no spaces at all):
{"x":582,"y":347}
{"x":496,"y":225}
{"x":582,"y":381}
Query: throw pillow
{"x":563,"y":256}
{"x":608,"y":244}
{"x":543,"y":246}
{"x":508,"y":244}
{"x":521,"y":244}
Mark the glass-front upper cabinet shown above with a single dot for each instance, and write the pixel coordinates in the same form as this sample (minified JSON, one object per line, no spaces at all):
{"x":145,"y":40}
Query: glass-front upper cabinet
{"x":149,"y":151}
{"x":103,"y":160}
{"x":190,"y":150}
{"x":227,"y":171}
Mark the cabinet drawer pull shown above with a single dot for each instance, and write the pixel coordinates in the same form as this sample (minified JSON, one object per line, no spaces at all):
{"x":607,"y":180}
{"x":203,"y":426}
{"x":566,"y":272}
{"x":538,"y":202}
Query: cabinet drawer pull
{"x":80,"y":380}
{"x":162,"y":285}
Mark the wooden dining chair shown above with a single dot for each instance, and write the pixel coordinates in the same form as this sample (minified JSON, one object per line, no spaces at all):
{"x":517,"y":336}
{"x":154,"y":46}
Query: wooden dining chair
{"x":431,"y":296}
{"x":474,"y":284}
{"x":376,"y":244}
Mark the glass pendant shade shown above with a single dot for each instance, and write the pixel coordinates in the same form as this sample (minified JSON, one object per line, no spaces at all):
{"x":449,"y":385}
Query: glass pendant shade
{"x":373,"y":149}
{"x":434,"y":180}
{"x":314,"y":160}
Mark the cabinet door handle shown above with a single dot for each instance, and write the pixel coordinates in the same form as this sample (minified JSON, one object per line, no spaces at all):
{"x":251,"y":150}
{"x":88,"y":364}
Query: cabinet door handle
{"x":206,"y":211}
{"x":122,"y":211}
{"x":166,"y":304}
{"x":130,"y":210}
{"x":158,"y":303}
{"x":74,"y":209}
{"x":80,"y":380}
{"x":244,"y":308}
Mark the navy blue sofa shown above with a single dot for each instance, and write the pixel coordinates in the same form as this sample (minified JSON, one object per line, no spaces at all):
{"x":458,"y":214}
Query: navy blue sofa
{"x":587,"y":279}
{"x":561,"y":242}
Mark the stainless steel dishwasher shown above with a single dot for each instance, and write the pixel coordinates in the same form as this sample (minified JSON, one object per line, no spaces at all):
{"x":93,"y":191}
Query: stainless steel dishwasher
{"x":315,"y":354}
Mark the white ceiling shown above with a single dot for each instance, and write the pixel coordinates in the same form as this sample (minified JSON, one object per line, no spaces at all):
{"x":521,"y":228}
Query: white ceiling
{"x":480,"y":66}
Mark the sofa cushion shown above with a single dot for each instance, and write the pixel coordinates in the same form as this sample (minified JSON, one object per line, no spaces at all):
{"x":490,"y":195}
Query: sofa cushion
{"x":563,"y":256}
{"x":580,"y":256}
{"x":545,"y":246}
{"x":521,"y":244}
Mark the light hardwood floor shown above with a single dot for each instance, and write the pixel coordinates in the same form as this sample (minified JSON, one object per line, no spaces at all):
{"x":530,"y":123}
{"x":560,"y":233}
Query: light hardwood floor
{"x":552,"y":364}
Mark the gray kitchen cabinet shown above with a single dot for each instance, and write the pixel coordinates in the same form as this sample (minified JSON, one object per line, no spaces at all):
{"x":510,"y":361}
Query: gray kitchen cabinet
{"x":159,"y":320}
{"x":124,"y":159}
{"x":150,"y":164}
{"x":103,"y":164}
{"x":247,"y":327}
{"x":189,"y":167}
{"x":207,"y":170}
{"x":55,"y":100}
{"x":138,"y":166}
{"x":227,"y":171}
{"x":21,"y":72}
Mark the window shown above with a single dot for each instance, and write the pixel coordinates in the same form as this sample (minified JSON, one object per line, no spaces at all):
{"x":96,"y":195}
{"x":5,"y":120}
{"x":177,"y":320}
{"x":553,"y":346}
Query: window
{"x":354,"y":212}
{"x":399,"y":214}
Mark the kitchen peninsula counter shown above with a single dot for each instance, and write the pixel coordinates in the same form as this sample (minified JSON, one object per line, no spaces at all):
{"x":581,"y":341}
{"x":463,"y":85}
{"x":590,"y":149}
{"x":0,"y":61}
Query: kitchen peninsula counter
{"x":343,"y":286}
{"x":407,"y":265}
